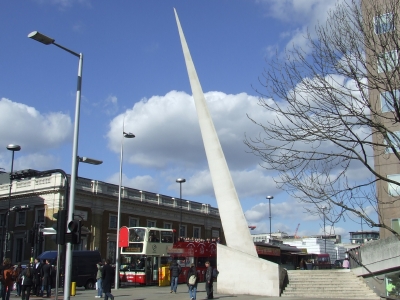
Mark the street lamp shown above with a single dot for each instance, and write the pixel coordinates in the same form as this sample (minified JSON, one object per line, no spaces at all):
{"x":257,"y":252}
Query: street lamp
{"x":180,"y":181}
{"x":68,"y":257}
{"x":127,"y":136}
{"x":270,"y":227}
{"x":12,"y":148}
{"x":323,"y":211}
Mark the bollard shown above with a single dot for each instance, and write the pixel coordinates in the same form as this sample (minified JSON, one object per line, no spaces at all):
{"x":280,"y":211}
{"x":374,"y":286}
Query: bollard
{"x":73,"y":288}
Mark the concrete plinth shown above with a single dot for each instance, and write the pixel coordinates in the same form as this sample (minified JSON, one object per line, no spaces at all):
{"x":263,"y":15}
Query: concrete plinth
{"x":244,"y":274}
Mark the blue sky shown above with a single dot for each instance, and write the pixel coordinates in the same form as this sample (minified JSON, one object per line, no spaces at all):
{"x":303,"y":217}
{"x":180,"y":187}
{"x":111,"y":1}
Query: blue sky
{"x":134,"y":70}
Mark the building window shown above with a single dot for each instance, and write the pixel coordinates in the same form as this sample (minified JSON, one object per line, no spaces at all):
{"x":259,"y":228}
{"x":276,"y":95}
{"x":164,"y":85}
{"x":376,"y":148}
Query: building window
{"x":113,"y":222}
{"x":19,"y":249}
{"x":396,"y":225}
{"x":20,"y":218}
{"x":384,"y":23}
{"x":40,"y":216}
{"x":387,"y":61}
{"x":2,"y":219}
{"x":196,"y":232}
{"x":151,"y":223}
{"x":133,"y":222}
{"x":394,"y":140}
{"x":168,"y":225}
{"x":388,"y":99}
{"x":111,"y":251}
{"x":215,"y":233}
{"x":182,"y":231}
{"x":394,"y":189}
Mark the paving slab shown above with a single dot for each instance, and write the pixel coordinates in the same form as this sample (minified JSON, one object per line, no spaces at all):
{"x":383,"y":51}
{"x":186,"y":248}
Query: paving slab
{"x":156,"y":293}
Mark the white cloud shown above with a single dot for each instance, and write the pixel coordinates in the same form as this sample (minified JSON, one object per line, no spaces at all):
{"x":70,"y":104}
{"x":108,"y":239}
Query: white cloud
{"x":62,"y":4}
{"x":287,"y":210}
{"x":145,"y":183}
{"x":36,"y":161}
{"x":248,"y":183}
{"x":32,"y":130}
{"x":302,"y":15}
{"x":167,"y":130}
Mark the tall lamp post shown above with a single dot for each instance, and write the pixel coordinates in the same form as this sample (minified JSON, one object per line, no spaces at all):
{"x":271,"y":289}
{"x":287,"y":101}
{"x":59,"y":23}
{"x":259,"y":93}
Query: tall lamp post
{"x":180,"y":181}
{"x":5,"y":240}
{"x":127,"y":136}
{"x":270,"y":227}
{"x":68,"y":257}
{"x":323,"y":211}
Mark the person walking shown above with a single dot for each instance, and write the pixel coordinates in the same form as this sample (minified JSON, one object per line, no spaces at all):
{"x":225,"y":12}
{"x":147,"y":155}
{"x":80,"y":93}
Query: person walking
{"x":191,"y":280}
{"x":175,"y":270}
{"x":9,"y":278}
{"x":302,"y":264}
{"x":107,"y":277}
{"x":99,"y":282}
{"x":346,"y":263}
{"x":37,"y":284}
{"x":18,"y":271}
{"x":209,"y":281}
{"x":46,"y":278}
{"x":26,"y":278}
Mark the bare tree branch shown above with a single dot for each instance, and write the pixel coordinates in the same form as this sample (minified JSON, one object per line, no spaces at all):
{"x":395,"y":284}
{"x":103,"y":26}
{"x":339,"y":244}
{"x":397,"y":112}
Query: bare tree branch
{"x":324,"y":124}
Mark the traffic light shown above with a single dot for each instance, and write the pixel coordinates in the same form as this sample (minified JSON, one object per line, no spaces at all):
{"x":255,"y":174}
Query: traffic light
{"x":75,"y":226}
{"x":60,"y":226}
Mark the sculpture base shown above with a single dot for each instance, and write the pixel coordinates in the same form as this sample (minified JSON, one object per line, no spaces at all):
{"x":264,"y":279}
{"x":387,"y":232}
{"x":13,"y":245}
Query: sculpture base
{"x":243,"y":274}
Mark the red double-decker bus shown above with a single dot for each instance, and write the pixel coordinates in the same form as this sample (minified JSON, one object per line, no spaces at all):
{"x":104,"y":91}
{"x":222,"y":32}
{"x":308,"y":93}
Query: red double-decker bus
{"x":147,"y":252}
{"x":195,"y":252}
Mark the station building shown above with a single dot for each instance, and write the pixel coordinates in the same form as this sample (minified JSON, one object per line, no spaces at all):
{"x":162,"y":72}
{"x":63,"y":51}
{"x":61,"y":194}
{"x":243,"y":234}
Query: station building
{"x":96,"y":204}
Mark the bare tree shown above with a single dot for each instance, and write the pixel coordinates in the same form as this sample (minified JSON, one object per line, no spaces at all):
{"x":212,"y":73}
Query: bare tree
{"x":328,"y":118}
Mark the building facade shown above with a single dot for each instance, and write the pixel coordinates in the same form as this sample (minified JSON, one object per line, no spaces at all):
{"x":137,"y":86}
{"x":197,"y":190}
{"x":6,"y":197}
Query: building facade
{"x":382,"y":57}
{"x":96,"y":204}
{"x":361,"y":237}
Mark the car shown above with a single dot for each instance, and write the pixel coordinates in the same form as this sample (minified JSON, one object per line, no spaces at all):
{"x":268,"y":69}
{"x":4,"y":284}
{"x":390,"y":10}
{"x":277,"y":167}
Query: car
{"x":338,"y":264}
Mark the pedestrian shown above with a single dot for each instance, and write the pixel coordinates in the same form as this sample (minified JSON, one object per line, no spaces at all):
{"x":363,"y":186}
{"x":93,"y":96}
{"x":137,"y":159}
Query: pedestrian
{"x":46,"y":278}
{"x":209,"y":281}
{"x":9,"y":278}
{"x":26,"y":278}
{"x":37,"y":284}
{"x":18,"y":271}
{"x":99,"y":283}
{"x":191,"y":280}
{"x":175,"y":270}
{"x":107,"y":278}
{"x":346,"y":263}
{"x":302,"y":264}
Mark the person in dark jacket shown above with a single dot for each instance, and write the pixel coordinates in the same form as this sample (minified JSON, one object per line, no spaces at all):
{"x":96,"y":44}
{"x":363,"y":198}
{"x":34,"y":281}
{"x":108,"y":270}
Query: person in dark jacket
{"x":107,"y":276}
{"x":175,"y":270}
{"x":46,"y":278}
{"x":209,"y":281}
{"x":192,"y":286}
{"x":37,"y":267}
{"x":26,"y":282}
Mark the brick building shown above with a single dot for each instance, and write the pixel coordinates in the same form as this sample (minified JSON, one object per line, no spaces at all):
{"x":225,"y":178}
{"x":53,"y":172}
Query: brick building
{"x":96,"y":204}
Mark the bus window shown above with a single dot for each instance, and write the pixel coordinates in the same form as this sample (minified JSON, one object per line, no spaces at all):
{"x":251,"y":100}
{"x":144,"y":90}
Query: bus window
{"x":140,"y":264}
{"x":166,"y":237}
{"x":136,"y":235}
{"x":154,"y":236}
{"x":202,"y":260}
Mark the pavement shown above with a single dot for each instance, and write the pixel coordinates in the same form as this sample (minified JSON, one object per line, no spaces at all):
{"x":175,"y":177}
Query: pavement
{"x":156,"y":293}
